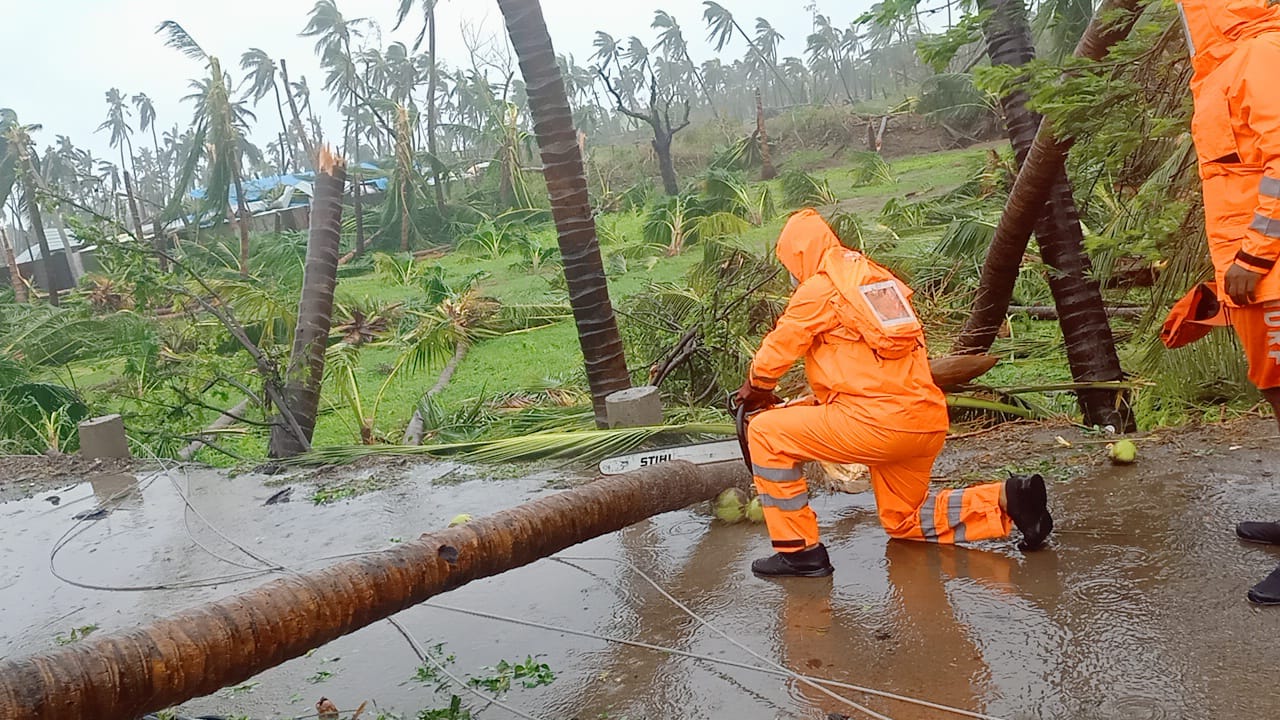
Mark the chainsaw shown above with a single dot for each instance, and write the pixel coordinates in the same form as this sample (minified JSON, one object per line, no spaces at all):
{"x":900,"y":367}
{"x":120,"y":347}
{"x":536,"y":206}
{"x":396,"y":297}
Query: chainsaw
{"x":705,"y":453}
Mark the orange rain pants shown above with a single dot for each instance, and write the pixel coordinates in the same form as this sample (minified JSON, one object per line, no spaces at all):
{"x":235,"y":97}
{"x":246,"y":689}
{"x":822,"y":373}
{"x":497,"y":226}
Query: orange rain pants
{"x":1259,"y":329}
{"x":901,"y":462}
{"x":1235,"y":47}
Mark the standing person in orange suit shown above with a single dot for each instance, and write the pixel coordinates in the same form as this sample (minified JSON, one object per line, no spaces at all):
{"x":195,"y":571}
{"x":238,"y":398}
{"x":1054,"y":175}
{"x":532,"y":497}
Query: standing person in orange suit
{"x":875,"y":403}
{"x":1235,"y":51}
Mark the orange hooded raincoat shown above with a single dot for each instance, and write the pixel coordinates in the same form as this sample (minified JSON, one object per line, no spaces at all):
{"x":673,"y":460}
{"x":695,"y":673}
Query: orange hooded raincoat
{"x":880,"y":412}
{"x":1235,"y":47}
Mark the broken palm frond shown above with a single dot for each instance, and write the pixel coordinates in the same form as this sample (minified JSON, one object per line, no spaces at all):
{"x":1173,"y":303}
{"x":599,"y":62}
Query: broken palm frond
{"x":1068,"y":387}
{"x":800,"y":189}
{"x":584,"y":446}
{"x":968,"y":402}
{"x":958,"y":370}
{"x":870,"y":168}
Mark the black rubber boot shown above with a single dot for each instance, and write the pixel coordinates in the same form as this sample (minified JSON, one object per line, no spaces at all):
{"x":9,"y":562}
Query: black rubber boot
{"x":1267,"y":592}
{"x":1267,"y":533}
{"x":1028,"y":505}
{"x":812,"y":563}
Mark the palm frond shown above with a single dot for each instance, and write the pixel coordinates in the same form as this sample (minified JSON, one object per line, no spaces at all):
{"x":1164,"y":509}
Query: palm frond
{"x":179,"y":39}
{"x":584,"y":446}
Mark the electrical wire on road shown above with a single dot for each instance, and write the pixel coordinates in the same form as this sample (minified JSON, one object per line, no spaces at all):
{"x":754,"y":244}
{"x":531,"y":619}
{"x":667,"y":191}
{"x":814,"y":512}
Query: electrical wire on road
{"x":268,"y":567}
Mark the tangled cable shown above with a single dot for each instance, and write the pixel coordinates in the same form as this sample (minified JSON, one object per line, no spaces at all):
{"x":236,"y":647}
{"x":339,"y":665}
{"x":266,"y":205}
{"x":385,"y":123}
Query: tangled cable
{"x":266,"y":566}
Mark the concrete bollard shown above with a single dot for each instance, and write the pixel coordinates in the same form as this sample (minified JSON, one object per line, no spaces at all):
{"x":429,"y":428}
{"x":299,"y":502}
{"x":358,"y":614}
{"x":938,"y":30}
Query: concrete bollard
{"x":103,"y":437}
{"x":636,"y":407}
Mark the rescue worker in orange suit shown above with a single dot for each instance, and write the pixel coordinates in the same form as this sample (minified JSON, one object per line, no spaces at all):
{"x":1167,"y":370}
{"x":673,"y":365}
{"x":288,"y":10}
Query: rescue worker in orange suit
{"x":1235,"y":49}
{"x":874,"y":403}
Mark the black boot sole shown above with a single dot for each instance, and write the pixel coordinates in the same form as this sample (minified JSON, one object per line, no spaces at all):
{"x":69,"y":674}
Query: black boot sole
{"x":1263,"y":601}
{"x":819,"y":573}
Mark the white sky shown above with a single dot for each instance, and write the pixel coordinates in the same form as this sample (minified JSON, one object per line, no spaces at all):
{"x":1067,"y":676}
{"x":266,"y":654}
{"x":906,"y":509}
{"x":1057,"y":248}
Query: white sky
{"x":59,"y":57}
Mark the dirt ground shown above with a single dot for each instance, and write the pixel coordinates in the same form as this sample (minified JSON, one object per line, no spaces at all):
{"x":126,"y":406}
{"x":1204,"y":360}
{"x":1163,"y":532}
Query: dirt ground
{"x":22,"y":476}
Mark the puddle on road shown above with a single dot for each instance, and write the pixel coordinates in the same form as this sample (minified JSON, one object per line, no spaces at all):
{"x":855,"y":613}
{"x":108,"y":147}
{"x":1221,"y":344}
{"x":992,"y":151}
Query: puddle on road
{"x":1137,"y":612}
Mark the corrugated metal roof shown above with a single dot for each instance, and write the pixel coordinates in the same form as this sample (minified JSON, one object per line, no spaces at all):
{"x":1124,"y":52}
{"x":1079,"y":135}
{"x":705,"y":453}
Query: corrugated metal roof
{"x":54,"y":239}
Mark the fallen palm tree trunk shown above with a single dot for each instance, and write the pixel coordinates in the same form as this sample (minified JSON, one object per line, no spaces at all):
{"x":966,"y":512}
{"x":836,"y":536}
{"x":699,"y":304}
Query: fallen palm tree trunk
{"x":196,"y":652}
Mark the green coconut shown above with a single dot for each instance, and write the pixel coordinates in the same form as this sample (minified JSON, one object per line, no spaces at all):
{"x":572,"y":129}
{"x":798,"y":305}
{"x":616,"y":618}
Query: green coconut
{"x":755,"y":511}
{"x":1124,"y":452}
{"x":462,"y":519}
{"x":730,"y":506}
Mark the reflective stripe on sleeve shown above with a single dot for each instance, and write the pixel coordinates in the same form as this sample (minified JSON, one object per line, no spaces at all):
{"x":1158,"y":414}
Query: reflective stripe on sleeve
{"x":1265,"y":225}
{"x":1270,"y":187}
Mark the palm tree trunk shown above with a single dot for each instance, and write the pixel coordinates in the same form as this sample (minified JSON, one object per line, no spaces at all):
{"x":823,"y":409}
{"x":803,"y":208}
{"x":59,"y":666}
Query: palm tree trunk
{"x":196,"y":652}
{"x":161,"y":168}
{"x":242,"y":208}
{"x":284,"y":129}
{"x":767,"y":170}
{"x":315,"y":309}
{"x":297,"y":118}
{"x":1091,"y":351}
{"x":1044,"y":161}
{"x":37,"y":228}
{"x":567,"y":185}
{"x":433,"y":79}
{"x":225,"y":420}
{"x":666,"y":166}
{"x":133,"y":206}
{"x":15,"y":275}
{"x":414,"y":433}
{"x":773,"y":67}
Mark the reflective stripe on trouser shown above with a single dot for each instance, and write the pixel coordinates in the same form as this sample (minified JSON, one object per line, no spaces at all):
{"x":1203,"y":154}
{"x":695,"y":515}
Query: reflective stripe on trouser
{"x":901,"y":463}
{"x":784,"y":495}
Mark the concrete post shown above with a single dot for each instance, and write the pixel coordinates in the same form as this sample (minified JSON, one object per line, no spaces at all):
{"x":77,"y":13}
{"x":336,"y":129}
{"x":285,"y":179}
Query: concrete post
{"x":103,"y":437}
{"x":635,"y":407}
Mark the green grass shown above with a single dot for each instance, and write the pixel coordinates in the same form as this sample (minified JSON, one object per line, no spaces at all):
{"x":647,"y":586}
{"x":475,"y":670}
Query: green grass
{"x":551,"y":356}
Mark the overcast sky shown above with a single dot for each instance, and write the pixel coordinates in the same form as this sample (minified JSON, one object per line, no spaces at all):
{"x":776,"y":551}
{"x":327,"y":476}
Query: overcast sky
{"x":59,"y":57}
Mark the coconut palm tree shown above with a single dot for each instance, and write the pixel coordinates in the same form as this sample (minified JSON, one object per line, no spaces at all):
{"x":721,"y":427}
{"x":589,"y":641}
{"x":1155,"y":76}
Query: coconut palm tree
{"x":433,"y":83}
{"x":721,"y":26}
{"x":567,"y":184}
{"x":17,"y":166}
{"x":220,"y":126}
{"x":333,"y":33}
{"x":117,"y":123}
{"x":1091,"y":349}
{"x":672,"y":44}
{"x":147,"y":121}
{"x":260,"y":76}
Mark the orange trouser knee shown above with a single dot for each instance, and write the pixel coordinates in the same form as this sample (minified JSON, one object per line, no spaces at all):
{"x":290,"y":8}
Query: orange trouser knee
{"x":901,"y":462}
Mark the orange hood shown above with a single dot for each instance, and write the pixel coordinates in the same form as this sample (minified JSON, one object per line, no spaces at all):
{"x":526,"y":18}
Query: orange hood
{"x":804,"y":242}
{"x":1215,"y":26}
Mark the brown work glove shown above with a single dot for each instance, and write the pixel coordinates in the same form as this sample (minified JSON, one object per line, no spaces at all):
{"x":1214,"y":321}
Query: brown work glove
{"x":755,"y":399}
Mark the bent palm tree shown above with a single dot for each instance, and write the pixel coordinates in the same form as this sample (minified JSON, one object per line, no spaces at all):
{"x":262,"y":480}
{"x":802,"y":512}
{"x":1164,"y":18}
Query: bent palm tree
{"x":567,"y":185}
{"x":720,"y":28}
{"x":17,"y":165}
{"x":117,"y":122}
{"x":1091,"y":350}
{"x":261,"y":77}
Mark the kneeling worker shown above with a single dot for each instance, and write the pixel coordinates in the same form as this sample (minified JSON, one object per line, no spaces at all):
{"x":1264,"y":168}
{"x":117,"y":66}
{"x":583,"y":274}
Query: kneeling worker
{"x":875,"y":403}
